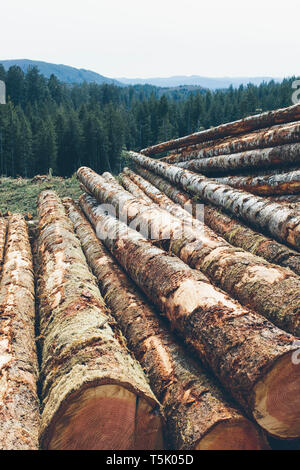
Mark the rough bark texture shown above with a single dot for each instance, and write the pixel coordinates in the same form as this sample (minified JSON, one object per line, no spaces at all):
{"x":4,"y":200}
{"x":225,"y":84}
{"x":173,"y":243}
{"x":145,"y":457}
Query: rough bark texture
{"x":271,"y":290}
{"x":19,"y":404}
{"x":3,"y":230}
{"x":284,"y":183}
{"x":133,"y":188}
{"x":260,"y":158}
{"x":83,"y":352}
{"x":241,"y":348}
{"x":235,"y":232}
{"x":279,"y":221}
{"x":241,"y":126}
{"x":193,"y":403}
{"x":270,"y":137}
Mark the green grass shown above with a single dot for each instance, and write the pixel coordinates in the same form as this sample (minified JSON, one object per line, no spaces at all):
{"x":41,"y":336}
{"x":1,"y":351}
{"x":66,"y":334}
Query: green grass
{"x":20,"y":194}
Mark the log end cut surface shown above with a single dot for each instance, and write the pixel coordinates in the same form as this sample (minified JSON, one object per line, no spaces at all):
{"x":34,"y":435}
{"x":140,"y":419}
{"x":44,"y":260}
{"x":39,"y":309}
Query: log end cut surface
{"x":106,"y":417}
{"x":277,"y":399}
{"x":240,"y":434}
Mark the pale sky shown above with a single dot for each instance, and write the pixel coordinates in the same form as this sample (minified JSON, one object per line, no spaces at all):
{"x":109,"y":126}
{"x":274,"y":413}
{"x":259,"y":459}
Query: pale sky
{"x":156,"y":38}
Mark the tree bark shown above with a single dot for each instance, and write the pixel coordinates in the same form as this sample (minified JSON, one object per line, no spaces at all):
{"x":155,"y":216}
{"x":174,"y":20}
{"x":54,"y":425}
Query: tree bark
{"x":19,"y":404}
{"x":279,"y":221}
{"x":251,"y":357}
{"x":270,"y":137}
{"x":130,"y":186}
{"x":95,"y":395}
{"x":3,"y":230}
{"x":252,"y":159}
{"x":271,"y":290}
{"x":241,"y":126}
{"x":284,"y":183}
{"x":235,"y":232}
{"x":197,"y":413}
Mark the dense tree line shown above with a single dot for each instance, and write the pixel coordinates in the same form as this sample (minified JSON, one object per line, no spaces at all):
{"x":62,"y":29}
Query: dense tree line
{"x":47,"y":124}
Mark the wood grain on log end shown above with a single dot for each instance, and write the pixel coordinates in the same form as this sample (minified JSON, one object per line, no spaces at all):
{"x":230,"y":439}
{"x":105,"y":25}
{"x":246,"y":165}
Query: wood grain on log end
{"x":240,"y":434}
{"x":277,"y":399}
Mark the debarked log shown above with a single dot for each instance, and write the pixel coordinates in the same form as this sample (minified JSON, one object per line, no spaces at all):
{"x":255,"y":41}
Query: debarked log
{"x":198,"y":416}
{"x":251,"y":357}
{"x":19,"y":403}
{"x":94,"y":394}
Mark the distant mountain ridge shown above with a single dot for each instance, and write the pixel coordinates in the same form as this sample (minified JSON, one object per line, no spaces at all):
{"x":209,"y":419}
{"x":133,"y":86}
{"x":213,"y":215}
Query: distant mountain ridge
{"x":73,"y":75}
{"x":64,"y":73}
{"x":212,"y":83}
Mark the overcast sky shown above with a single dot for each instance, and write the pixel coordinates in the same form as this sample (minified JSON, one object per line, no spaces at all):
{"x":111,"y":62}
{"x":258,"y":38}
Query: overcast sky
{"x":138,"y":38}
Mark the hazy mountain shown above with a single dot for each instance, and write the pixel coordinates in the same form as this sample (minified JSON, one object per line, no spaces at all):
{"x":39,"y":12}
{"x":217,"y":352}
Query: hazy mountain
{"x":69,"y":74}
{"x":64,"y":73}
{"x":197,"y":80}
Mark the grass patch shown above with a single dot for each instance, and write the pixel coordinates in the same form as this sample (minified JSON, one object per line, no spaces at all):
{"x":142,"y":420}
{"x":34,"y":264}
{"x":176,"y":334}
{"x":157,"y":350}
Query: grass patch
{"x":20,"y":194}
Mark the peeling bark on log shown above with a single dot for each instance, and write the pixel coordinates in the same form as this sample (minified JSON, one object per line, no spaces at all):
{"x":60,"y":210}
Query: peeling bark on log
{"x":95,"y":395}
{"x":270,"y":137}
{"x":235,"y":232}
{"x":279,"y":221}
{"x":251,"y":357}
{"x":197,"y":414}
{"x":19,"y":404}
{"x":260,"y":158}
{"x":284,"y":183}
{"x":271,"y":290}
{"x":241,"y":126}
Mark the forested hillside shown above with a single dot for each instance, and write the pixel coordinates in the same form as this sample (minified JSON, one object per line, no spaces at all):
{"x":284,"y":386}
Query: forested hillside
{"x":47,"y":124}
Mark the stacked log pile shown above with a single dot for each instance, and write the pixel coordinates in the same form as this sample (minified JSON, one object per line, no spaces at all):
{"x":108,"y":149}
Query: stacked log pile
{"x":167,"y":306}
{"x":95,"y":395}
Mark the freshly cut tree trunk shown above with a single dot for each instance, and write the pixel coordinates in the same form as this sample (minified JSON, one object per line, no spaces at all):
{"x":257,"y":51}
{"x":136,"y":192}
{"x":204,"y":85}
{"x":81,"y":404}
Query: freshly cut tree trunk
{"x":241,"y":126}
{"x":95,"y":395}
{"x":281,"y":222}
{"x":19,"y":404}
{"x":250,"y":356}
{"x":285,"y":183}
{"x":253,"y":159}
{"x":197,"y":413}
{"x":235,"y":232}
{"x":271,"y":290}
{"x":270,"y":137}
{"x":3,"y":230}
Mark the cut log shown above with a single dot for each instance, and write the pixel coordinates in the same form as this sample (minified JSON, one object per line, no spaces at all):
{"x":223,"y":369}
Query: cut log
{"x":197,"y":413}
{"x":228,"y":227}
{"x":245,"y":351}
{"x":19,"y":404}
{"x":95,"y":395}
{"x":284,"y":183}
{"x":281,"y":222}
{"x":271,"y":290}
{"x":133,"y":188}
{"x":270,"y":137}
{"x":252,"y":159}
{"x":3,"y":230}
{"x":241,"y":126}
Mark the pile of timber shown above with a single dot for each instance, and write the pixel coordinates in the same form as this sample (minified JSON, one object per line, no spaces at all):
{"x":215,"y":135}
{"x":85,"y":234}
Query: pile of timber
{"x":164,"y":303}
